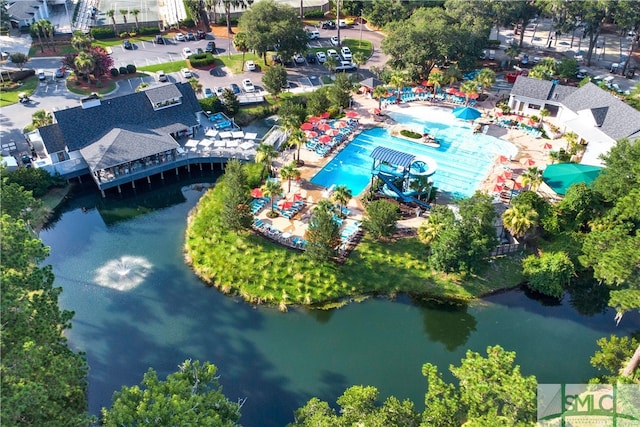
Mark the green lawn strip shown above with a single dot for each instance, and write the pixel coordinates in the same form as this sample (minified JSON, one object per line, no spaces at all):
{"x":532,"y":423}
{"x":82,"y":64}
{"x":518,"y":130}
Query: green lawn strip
{"x":265,"y":272}
{"x":61,"y":50}
{"x":118,"y":42}
{"x":167,"y":67}
{"x":10,"y":96}
{"x":234,"y":62}
{"x":366,"y":47}
{"x":99,"y":90}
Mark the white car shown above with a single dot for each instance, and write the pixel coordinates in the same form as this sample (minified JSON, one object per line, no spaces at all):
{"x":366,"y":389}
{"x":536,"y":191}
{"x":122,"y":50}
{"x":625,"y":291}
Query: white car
{"x":186,"y":73}
{"x":342,"y":23}
{"x":251,"y":66}
{"x":186,"y":52}
{"x":180,"y":37}
{"x":299,"y":59}
{"x":333,"y":53}
{"x":219,"y":91}
{"x":346,"y":53}
{"x":313,"y":34}
{"x":162,"y":77}
{"x":322,"y":57}
{"x":248,"y":86}
{"x":335,"y":41}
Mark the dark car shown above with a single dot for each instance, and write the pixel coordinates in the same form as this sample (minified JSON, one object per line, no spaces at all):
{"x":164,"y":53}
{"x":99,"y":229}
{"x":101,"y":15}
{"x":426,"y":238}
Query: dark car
{"x":311,"y":58}
{"x":159,"y":39}
{"x":199,"y":50}
{"x":328,"y":25}
{"x":127,"y":44}
{"x":60,"y":73}
{"x":235,"y":88}
{"x":190,"y":37}
{"x":211,"y":47}
{"x":276,"y":59}
{"x":201,"y":34}
{"x":26,"y":161}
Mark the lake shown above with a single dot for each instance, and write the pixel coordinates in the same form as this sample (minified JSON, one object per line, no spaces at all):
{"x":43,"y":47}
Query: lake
{"x":137,"y":305}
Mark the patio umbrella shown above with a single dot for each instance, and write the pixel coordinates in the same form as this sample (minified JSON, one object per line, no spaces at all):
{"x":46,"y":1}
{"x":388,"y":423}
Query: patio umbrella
{"x":497,"y":188}
{"x":547,"y":146}
{"x":451,"y":90}
{"x":426,"y":83}
{"x":307,"y":126}
{"x":418,"y":89}
{"x":314,"y":119}
{"x":352,"y":114}
{"x":332,"y":132}
{"x":503,"y":159}
{"x":324,"y":126}
{"x":528,"y":162}
{"x":325,"y":115}
{"x":310,"y":134}
{"x":562,"y":175}
{"x":517,"y":185}
{"x":339,"y":124}
{"x":473,"y":96}
{"x":500,"y":179}
{"x":256,"y":193}
{"x":376,"y":111}
{"x":285,"y":204}
{"x":508,"y":174}
{"x":466,"y":113}
{"x":324,"y":139}
{"x":297,"y":197}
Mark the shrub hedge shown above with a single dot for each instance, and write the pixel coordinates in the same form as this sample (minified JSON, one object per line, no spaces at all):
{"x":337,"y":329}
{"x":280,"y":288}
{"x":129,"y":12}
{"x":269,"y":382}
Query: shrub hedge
{"x":123,"y":70}
{"x":102,"y":33}
{"x":131,"y":68}
{"x":223,"y":21}
{"x":312,"y":14}
{"x":202,"y":59}
{"x":410,"y":134}
{"x":21,"y":75}
{"x":114,"y":72}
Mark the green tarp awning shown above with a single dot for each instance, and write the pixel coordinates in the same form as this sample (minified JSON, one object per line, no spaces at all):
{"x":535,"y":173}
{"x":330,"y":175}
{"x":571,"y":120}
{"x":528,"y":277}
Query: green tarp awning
{"x":561,"y":176}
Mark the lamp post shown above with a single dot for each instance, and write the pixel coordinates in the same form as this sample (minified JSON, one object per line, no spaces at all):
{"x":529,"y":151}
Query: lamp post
{"x":361,"y":25}
{"x":338,"y":19}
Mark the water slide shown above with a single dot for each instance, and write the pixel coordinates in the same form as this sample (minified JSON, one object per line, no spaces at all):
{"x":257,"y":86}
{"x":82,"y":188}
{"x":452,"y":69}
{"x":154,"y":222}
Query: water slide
{"x":403,"y":197}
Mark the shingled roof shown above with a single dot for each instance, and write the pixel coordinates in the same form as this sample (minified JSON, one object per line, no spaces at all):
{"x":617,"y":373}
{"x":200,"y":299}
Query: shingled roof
{"x":81,"y":127}
{"x":615,"y":118}
{"x":119,"y":146}
{"x":52,"y":136}
{"x":543,"y":90}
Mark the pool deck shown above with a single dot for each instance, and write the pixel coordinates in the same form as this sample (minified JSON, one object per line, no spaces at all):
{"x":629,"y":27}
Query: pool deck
{"x":528,"y":148}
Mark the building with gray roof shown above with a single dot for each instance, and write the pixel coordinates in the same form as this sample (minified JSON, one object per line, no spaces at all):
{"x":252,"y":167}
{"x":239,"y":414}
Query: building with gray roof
{"x":595,"y":115}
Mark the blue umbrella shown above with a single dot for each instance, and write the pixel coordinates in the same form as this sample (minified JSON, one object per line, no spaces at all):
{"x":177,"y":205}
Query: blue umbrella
{"x":466,"y":113}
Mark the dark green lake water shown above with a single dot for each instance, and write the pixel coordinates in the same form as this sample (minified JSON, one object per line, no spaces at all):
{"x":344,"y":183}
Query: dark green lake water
{"x":277,"y":361}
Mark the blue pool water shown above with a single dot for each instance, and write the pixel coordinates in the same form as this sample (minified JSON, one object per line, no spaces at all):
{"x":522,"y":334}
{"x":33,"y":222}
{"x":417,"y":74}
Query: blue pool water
{"x":463,"y":159}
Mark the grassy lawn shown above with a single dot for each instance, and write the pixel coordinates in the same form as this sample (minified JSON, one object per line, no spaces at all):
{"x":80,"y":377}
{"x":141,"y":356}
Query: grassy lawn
{"x":267,"y":273}
{"x":62,"y":50}
{"x":10,"y":96}
{"x":234,"y":62}
{"x":110,"y":87}
{"x":118,"y":42}
{"x":366,"y":47}
{"x":167,"y":67}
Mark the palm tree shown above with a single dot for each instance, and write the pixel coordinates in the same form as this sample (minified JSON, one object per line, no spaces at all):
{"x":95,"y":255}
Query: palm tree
{"x":469,"y":87}
{"x":237,"y":4}
{"x":378,"y":93}
{"x":341,"y":195}
{"x":532,"y":177}
{"x":271,"y":189}
{"x":512,"y":51}
{"x":241,"y":43}
{"x":485,"y":79}
{"x":324,"y":205}
{"x":289,"y":172}
{"x":452,"y":75}
{"x":84,"y":63}
{"x":543,"y":113}
{"x":41,"y":118}
{"x":112,"y":14}
{"x":135,"y":13}
{"x":124,"y":12}
{"x":398,"y":79}
{"x":265,"y":154}
{"x":331,"y":63}
{"x":297,"y":138}
{"x":36,"y":29}
{"x":80,"y":41}
{"x":48,"y":29}
{"x":436,"y":78}
{"x":359,"y":59}
{"x":195,"y":85}
{"x":520,"y":219}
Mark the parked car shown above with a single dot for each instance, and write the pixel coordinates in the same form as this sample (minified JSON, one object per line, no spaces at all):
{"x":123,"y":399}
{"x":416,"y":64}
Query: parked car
{"x":492,"y":55}
{"x":525,"y":59}
{"x":276,"y":59}
{"x":208,"y":93}
{"x":26,"y":161}
{"x":299,"y":59}
{"x":186,"y":52}
{"x":333,"y":52}
{"x":162,"y":77}
{"x":346,"y":53}
{"x":199,"y":50}
{"x":313,"y":34}
{"x":191,"y":37}
{"x":345,"y":66}
{"x":235,"y":88}
{"x":41,"y":75}
{"x":311,"y":58}
{"x":211,"y":47}
{"x":251,"y":66}
{"x":180,"y":37}
{"x":322,"y":57}
{"x":61,"y":72}
{"x":335,"y":41}
{"x":342,"y":23}
{"x":328,"y":25}
{"x":127,"y":45}
{"x":159,"y":39}
{"x":201,"y":34}
{"x":219,"y":91}
{"x":248,"y":86}
{"x":186,"y":73}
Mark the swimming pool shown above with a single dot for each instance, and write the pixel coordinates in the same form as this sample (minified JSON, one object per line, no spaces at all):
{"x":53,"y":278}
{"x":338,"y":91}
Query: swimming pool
{"x":463,"y":159}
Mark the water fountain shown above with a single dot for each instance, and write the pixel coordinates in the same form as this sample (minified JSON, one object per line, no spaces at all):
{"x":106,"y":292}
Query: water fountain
{"x":124,"y":273}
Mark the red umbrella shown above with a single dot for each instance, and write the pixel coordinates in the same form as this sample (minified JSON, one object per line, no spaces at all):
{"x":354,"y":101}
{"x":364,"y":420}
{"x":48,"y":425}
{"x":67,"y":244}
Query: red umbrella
{"x":324,"y":126}
{"x":285,"y":204}
{"x":503,"y":159}
{"x":517,"y":185}
{"x":314,"y":119}
{"x":451,"y":90}
{"x":376,"y":111}
{"x":307,"y":126}
{"x":297,"y":197}
{"x":547,"y":146}
{"x":324,"y":138}
{"x":332,"y":132}
{"x":528,"y":162}
{"x":352,"y":114}
{"x":310,"y":134}
{"x":325,"y":115}
{"x":508,"y":174}
{"x":425,"y":83}
{"x":418,"y":89}
{"x":500,"y":179}
{"x":340,"y":124}
{"x":473,"y":96}
{"x":256,"y":193}
{"x":497,"y":188}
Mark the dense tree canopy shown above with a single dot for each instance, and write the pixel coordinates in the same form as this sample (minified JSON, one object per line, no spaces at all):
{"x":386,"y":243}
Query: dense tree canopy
{"x":236,"y":214}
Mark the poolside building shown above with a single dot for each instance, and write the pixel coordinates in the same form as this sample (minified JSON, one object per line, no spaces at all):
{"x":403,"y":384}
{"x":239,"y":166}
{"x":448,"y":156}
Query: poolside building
{"x":131,"y":137}
{"x":595,"y":115}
